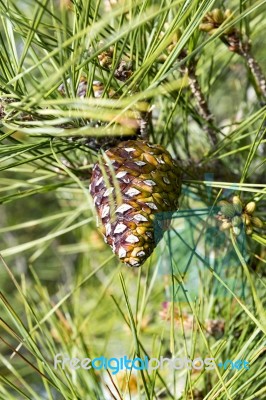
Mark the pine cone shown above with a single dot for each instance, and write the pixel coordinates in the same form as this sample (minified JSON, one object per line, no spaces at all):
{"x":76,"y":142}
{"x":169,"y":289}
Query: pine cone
{"x":139,"y":181}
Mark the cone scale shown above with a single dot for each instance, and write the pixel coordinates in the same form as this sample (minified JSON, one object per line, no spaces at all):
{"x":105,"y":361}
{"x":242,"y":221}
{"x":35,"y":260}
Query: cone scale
{"x":132,"y":183}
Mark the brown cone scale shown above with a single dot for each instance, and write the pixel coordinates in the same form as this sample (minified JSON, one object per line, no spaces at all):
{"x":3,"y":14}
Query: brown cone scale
{"x":136,"y":181}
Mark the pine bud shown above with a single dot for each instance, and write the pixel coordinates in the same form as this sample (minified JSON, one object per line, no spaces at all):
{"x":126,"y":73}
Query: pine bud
{"x":225,"y":225}
{"x":257,"y":222}
{"x":206,"y":27}
{"x":236,"y":230}
{"x":250,"y":207}
{"x":249,"y":230}
{"x":228,"y":13}
{"x":237,"y":203}
{"x":223,"y":203}
{"x":246,"y":219}
{"x":236,"y":221}
{"x":228,"y":210}
{"x":217,"y":16}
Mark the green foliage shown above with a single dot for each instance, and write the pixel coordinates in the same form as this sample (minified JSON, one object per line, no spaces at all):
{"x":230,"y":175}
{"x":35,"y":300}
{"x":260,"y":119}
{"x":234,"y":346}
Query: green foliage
{"x":62,"y":289}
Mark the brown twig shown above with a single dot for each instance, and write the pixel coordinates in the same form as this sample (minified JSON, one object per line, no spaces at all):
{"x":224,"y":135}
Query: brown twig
{"x":203,"y":107}
{"x":236,"y":42}
{"x":202,"y":104}
{"x":245,"y":52}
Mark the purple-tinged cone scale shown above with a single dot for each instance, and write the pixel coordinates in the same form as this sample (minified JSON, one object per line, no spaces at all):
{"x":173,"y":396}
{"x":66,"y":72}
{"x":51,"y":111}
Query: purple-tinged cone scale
{"x":134,"y":182}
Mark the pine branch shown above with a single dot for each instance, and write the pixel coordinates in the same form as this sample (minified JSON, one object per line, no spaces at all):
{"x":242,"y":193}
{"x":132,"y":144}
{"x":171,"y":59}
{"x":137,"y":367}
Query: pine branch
{"x":236,"y":42}
{"x":244,"y":50}
{"x":202,"y":104}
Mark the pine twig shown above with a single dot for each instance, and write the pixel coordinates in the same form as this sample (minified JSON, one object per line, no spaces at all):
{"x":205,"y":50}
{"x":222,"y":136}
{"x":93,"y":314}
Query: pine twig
{"x":202,"y":104}
{"x":244,"y":50}
{"x":203,"y":107}
{"x":235,"y":42}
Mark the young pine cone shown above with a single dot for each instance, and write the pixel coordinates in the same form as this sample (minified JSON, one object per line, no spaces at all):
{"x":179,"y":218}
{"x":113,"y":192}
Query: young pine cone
{"x":138,"y":181}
